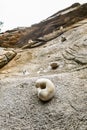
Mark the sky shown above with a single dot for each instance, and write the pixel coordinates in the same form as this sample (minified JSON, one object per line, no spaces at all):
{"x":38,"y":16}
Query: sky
{"x":24,"y":13}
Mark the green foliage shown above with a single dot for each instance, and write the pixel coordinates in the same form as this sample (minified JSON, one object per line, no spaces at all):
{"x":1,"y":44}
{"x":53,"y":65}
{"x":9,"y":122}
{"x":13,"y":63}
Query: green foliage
{"x":1,"y":23}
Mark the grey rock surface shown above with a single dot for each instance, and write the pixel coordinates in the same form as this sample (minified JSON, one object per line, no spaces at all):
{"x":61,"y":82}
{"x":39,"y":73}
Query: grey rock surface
{"x":20,"y":107}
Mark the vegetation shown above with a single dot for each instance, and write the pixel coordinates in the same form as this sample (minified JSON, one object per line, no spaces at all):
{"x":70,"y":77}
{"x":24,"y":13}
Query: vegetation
{"x":1,"y":23}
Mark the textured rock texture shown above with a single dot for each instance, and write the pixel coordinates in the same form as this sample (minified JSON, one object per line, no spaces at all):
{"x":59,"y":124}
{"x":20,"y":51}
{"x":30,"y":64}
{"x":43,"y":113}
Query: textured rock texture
{"x":20,"y":108}
{"x":6,"y":56}
{"x":46,"y":30}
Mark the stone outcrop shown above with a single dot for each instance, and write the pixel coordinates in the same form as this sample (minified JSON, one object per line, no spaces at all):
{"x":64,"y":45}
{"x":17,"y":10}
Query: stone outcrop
{"x":48,"y":29}
{"x":6,"y":56}
{"x":20,"y":108}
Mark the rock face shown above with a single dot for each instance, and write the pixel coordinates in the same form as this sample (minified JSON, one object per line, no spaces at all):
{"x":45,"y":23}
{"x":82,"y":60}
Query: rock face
{"x":45,"y":30}
{"x":20,"y":108}
{"x":6,"y":56}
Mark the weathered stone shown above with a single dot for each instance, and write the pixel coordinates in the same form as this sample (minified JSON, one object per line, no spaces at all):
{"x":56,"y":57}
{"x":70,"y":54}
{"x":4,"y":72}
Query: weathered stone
{"x":54,"y":65}
{"x":79,"y":54}
{"x":3,"y":60}
{"x":6,"y":57}
{"x":20,"y":108}
{"x":46,"y":30}
{"x":63,"y":39}
{"x":10,"y":55}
